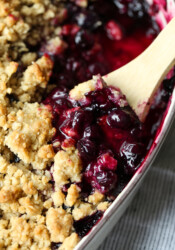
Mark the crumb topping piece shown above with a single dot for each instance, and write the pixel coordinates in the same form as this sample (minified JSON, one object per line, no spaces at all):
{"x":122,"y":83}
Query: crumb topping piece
{"x":59,"y":224}
{"x":67,"y":165}
{"x":72,"y":195}
{"x":29,"y":131}
{"x":70,"y":242}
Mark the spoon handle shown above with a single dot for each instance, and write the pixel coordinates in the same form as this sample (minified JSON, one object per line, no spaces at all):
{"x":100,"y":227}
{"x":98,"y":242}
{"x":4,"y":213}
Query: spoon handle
{"x":140,"y":79}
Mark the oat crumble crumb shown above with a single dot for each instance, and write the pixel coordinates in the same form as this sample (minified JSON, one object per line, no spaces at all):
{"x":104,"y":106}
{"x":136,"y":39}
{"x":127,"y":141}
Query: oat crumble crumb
{"x":67,"y":165}
{"x":82,"y":210}
{"x":72,"y":195}
{"x":58,"y":198}
{"x":95,"y":198}
{"x":103,"y":206}
{"x":70,"y":242}
{"x":59,"y":224}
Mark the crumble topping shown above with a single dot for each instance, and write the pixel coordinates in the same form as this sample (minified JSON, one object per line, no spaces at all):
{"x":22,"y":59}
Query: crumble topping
{"x":37,"y":74}
{"x":70,"y":242}
{"x":103,"y":206}
{"x":82,"y":210}
{"x":67,"y":165}
{"x":72,"y":195}
{"x":77,"y":93}
{"x":95,"y":198}
{"x":29,"y":130}
{"x":59,"y":223}
{"x":58,"y":198}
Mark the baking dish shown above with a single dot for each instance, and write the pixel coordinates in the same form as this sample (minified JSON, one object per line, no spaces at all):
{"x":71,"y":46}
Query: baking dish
{"x":53,"y":206}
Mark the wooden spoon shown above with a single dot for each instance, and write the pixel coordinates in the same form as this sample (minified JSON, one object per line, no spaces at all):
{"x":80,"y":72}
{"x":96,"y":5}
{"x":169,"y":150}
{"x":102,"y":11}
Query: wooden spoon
{"x":140,"y":79}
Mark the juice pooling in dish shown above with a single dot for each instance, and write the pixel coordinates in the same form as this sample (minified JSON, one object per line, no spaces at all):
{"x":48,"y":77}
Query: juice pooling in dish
{"x":67,"y":151}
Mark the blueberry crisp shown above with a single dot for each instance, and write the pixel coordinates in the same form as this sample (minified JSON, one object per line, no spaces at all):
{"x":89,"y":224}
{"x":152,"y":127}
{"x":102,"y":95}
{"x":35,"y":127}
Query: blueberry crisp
{"x":68,"y":149}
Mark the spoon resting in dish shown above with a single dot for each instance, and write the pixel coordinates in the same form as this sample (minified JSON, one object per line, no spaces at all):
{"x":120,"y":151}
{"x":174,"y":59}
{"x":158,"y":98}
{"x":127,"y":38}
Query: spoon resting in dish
{"x":140,"y":79}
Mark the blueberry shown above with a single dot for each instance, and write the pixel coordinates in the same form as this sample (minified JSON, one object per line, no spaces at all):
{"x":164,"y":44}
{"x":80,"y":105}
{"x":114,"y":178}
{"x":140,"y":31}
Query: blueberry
{"x":88,"y":20}
{"x":107,"y":180}
{"x":101,"y":173}
{"x":107,"y":162}
{"x":84,"y":39}
{"x":75,"y":124}
{"x":131,"y":154}
{"x":83,"y":226}
{"x":81,"y":119}
{"x":97,"y":68}
{"x":16,"y":159}
{"x":137,"y":8}
{"x":87,"y":149}
{"x":58,"y":93}
{"x":92,"y":132}
{"x":119,"y":119}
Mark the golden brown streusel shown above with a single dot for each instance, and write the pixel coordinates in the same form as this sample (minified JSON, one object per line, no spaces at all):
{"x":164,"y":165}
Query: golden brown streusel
{"x":58,"y":198}
{"x":29,"y":130}
{"x":59,"y":223}
{"x":67,"y":165}
{"x":82,"y":210}
{"x":70,"y":242}
{"x":31,"y":209}
{"x":72,"y":195}
{"x":95,"y":198}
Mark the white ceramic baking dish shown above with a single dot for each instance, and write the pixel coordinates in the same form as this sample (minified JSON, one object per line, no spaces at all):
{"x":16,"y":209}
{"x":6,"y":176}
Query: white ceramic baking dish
{"x":118,"y":207}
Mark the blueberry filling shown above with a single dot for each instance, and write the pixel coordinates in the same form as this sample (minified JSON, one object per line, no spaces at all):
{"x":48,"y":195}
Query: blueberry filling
{"x":123,"y":26}
{"x":111,"y":142}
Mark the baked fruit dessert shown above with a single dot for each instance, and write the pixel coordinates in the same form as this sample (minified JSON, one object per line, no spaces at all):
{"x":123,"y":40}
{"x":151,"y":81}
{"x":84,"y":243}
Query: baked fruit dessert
{"x":67,"y":151}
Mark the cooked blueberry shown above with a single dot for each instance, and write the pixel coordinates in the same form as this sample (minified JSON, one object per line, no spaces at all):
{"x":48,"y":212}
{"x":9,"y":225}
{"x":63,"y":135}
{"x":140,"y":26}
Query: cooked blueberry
{"x":92,"y":132}
{"x":84,"y":39}
{"x":73,"y":64}
{"x":119,"y":119}
{"x":107,"y":162}
{"x":83,"y":226}
{"x":137,"y":8}
{"x":131,"y":154}
{"x":106,"y":180}
{"x":101,"y":173}
{"x":114,"y":30}
{"x":87,"y":149}
{"x":88,"y":20}
{"x":95,"y":68}
{"x":81,"y":119}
